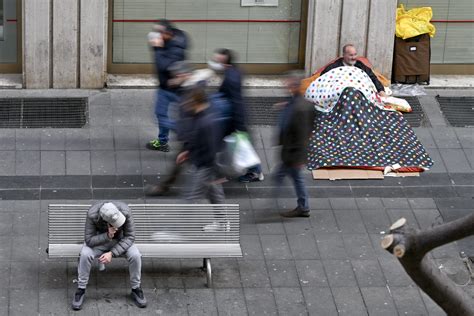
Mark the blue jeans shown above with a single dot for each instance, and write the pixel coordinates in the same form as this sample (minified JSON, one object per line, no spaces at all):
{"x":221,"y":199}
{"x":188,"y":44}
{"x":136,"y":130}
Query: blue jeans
{"x":163,"y":100}
{"x":296,"y":174}
{"x":255,"y":169}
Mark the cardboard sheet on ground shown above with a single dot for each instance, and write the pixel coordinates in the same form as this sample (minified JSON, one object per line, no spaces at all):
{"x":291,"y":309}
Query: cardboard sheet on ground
{"x":361,"y":174}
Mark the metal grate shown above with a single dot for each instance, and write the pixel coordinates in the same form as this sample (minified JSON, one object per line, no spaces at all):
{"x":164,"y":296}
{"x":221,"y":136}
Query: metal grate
{"x":458,"y":111}
{"x":43,"y":112}
{"x":260,"y":110}
{"x":416,"y":118}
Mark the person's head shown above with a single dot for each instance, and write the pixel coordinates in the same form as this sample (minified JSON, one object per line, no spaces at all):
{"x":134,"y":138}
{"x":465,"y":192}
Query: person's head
{"x":349,"y":54}
{"x":111,"y":214}
{"x":222,"y":58}
{"x":165,"y":28}
{"x":293,"y":81}
{"x":180,"y":72}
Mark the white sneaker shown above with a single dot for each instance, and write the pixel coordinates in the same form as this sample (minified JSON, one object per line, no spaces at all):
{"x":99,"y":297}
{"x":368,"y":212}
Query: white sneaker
{"x":217,"y":227}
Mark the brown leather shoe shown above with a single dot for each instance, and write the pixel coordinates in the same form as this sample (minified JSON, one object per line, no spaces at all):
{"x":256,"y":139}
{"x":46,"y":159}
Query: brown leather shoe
{"x":297,"y":212}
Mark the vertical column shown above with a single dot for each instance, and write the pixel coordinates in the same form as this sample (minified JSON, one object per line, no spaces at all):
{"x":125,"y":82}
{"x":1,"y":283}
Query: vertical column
{"x":65,"y":43}
{"x":323,"y":29}
{"x":93,"y":43}
{"x":380,"y":38}
{"x":355,"y":17}
{"x":36,"y":47}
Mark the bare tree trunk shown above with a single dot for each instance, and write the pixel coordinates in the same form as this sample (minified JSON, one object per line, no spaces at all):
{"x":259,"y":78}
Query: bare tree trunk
{"x":411,"y":246}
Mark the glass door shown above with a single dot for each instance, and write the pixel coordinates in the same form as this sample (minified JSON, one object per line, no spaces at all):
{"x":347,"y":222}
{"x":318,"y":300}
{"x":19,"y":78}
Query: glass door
{"x":10,"y":59}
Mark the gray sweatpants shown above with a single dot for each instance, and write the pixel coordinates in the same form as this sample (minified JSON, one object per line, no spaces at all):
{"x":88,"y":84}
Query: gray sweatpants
{"x":201,"y":184}
{"x":88,"y":255}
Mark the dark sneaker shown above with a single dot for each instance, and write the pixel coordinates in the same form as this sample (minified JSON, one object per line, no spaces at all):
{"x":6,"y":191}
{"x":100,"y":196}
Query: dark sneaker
{"x":156,"y":190}
{"x":157,"y":145}
{"x":297,"y":212}
{"x":138,"y":297}
{"x":251,"y":177}
{"x":78,"y":299}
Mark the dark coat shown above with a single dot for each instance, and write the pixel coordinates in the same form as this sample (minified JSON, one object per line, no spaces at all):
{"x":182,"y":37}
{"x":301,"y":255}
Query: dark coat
{"x":296,"y":130}
{"x":173,"y":50}
{"x":95,"y":233}
{"x":339,"y":63}
{"x":231,"y":89}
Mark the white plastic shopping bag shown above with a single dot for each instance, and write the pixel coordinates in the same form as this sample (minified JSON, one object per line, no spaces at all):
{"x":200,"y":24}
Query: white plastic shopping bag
{"x":244,"y":155}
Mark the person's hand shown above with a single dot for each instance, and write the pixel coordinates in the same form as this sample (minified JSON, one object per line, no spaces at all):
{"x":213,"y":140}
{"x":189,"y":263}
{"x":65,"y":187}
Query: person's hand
{"x":156,"y":42}
{"x":106,"y":258}
{"x":382,"y":94}
{"x":182,"y":157}
{"x":111,"y":232}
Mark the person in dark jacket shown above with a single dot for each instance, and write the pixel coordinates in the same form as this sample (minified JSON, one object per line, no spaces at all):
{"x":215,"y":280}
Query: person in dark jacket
{"x":349,"y":58}
{"x":295,"y":125}
{"x":169,"y":48}
{"x":200,"y":144}
{"x":109,"y":233}
{"x":231,"y":89}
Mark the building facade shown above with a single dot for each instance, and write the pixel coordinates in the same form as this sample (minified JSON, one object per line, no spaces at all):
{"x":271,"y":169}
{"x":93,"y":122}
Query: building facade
{"x":77,"y":43}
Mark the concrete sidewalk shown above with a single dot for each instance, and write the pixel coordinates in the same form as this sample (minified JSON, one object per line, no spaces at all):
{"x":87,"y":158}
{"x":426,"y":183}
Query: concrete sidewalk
{"x":328,"y":264}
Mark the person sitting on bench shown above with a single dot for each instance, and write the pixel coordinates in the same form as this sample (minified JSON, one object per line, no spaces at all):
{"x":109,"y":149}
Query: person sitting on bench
{"x":109,"y":233}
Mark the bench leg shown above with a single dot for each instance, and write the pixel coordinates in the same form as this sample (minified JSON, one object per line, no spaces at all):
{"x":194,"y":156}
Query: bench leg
{"x":208,"y":269}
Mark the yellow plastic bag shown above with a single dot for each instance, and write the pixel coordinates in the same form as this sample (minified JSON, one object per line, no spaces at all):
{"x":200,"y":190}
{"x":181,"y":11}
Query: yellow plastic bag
{"x":414,"y":22}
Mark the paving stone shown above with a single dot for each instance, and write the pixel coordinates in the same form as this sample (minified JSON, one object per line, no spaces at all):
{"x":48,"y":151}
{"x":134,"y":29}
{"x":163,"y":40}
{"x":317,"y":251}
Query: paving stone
{"x":53,"y":139}
{"x":53,"y":302}
{"x":103,"y":162}
{"x":100,"y":116}
{"x":295,"y":226}
{"x":53,"y":163}
{"x":247,"y":223}
{"x":303,"y":246}
{"x":128,"y":162}
{"x":113,"y":301}
{"x":4,"y":301}
{"x":225,"y":273}
{"x":428,"y":218}
{"x":78,"y":139}
{"x":376,"y":243}
{"x":319,"y":204}
{"x":381,"y":192}
{"x":349,"y":301}
{"x":311,"y":273}
{"x":26,"y":224}
{"x":424,"y":136}
{"x":445,"y":137}
{"x":396,"y":214}
{"x":165,"y":302}
{"x":4,"y":275}
{"x":27,"y":139}
{"x":268,"y":223}
{"x":290,"y":301}
{"x":7,"y":163}
{"x":339,"y":273}
{"x":22,"y":302}
{"x":101,"y":138}
{"x":323,"y":221}
{"x":251,"y":247}
{"x":6,"y":225}
{"x":398,"y":203}
{"x":438,"y":163}
{"x":275,"y":247}
{"x":125,"y":115}
{"x":394,"y":273}
{"x":455,"y":160}
{"x":378,"y":301}
{"x":201,"y":302}
{"x":260,"y":301}
{"x":153,"y":163}
{"x":376,"y":220}
{"x":358,"y":246}
{"x":408,"y":301}
{"x":369,"y":203}
{"x":259,"y":204}
{"x":422,"y":203}
{"x":330,"y":246}
{"x":27,"y":163}
{"x":343,"y":203}
{"x":349,"y":221}
{"x":7,"y":139}
{"x":253,"y":273}
{"x":465,"y":137}
{"x":282,"y":273}
{"x":231,"y":302}
{"x":52,"y":274}
{"x":368,"y":273}
{"x":126,"y":137}
{"x":78,"y":163}
{"x":470,"y":156}
{"x":334,"y":192}
{"x":24,"y":275}
{"x":319,"y":301}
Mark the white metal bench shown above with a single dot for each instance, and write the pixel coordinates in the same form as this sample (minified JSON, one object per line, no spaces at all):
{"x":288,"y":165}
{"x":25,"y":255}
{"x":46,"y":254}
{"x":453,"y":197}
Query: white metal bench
{"x":161,"y":231}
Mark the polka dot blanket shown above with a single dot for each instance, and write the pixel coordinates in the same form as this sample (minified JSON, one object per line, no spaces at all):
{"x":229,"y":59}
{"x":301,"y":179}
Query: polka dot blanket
{"x":356,"y":133}
{"x":326,"y":90}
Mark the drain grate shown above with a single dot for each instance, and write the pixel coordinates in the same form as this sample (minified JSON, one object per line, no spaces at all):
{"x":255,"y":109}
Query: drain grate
{"x":43,"y":112}
{"x":416,"y":118}
{"x":458,"y":111}
{"x":260,"y":110}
